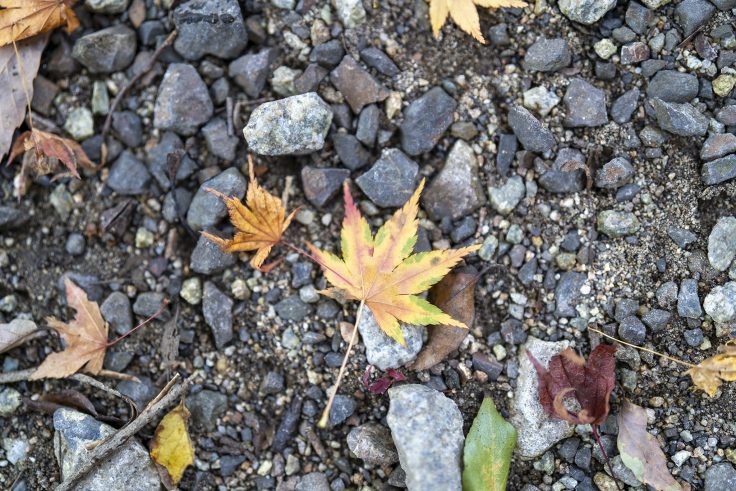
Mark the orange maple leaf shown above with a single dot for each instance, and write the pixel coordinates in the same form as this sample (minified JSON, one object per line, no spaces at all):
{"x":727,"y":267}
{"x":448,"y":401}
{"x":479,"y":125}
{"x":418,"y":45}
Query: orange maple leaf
{"x":261,"y":221}
{"x":382,"y":271}
{"x":711,"y":372}
{"x":85,"y":338}
{"x":21,"y":19}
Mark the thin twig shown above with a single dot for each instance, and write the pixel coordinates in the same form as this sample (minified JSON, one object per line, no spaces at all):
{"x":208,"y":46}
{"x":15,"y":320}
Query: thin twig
{"x":287,"y":191}
{"x":642,"y":348}
{"x":87,"y":380}
{"x":326,"y":413}
{"x":24,"y":376}
{"x":101,"y":451}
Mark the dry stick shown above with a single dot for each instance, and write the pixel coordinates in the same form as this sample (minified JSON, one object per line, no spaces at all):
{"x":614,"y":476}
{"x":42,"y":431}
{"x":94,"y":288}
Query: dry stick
{"x":24,"y":376}
{"x":86,"y":379}
{"x":326,"y":414}
{"x":120,"y":437}
{"x":642,"y":348}
{"x":287,"y":191}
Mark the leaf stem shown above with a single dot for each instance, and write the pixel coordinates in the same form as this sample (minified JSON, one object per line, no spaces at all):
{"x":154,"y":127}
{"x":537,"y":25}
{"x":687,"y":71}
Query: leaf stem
{"x":123,"y":336}
{"x":684,"y":363}
{"x":605,"y":455}
{"x":326,"y":413}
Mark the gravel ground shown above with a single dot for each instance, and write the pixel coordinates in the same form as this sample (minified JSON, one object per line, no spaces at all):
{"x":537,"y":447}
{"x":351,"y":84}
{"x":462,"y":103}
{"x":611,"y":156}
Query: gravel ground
{"x":590,"y":147}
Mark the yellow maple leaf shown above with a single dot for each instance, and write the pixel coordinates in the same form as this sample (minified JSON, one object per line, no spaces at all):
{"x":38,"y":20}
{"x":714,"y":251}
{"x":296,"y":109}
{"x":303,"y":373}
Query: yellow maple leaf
{"x":21,"y":19}
{"x":171,"y":446}
{"x":464,"y":13}
{"x":261,"y":222}
{"x":709,"y":374}
{"x":85,"y":338}
{"x":383,"y":272}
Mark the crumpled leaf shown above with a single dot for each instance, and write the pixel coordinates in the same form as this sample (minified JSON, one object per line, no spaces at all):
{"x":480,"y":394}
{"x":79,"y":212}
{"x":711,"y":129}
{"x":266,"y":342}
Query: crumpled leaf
{"x":488,"y":449}
{"x":382,"y":384}
{"x":15,"y":333}
{"x":21,"y":19}
{"x":85,"y":338}
{"x":454,"y":294}
{"x":383,"y":271}
{"x":570,"y":377}
{"x":711,"y":372}
{"x":13,"y":101}
{"x":171,"y":446}
{"x":464,"y":13}
{"x":640,"y":451}
{"x":261,"y":222}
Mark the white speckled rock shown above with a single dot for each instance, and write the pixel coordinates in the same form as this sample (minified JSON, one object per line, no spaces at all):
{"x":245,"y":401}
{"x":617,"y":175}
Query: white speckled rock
{"x":585,"y":11}
{"x":427,"y":429}
{"x":537,"y":431}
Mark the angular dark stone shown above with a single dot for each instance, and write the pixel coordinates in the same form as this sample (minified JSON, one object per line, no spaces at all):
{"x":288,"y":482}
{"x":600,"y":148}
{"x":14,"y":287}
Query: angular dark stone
{"x":585,"y":104}
{"x":547,"y":55}
{"x":529,"y":131}
{"x":252,"y":70}
{"x":375,"y":58}
{"x":673,"y":86}
{"x":107,"y":50}
{"x":391,"y":180}
{"x":350,"y":151}
{"x":358,"y":86}
{"x":426,"y":120}
{"x":128,"y":175}
{"x":321,"y":184}
{"x":209,"y":27}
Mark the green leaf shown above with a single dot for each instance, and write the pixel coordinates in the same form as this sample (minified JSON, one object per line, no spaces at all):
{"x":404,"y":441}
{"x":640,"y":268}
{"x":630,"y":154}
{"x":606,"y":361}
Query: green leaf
{"x":488,"y":450}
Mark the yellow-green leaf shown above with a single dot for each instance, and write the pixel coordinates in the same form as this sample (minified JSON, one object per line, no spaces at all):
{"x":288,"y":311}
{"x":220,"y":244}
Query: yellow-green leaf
{"x":171,"y":446}
{"x":488,"y":449}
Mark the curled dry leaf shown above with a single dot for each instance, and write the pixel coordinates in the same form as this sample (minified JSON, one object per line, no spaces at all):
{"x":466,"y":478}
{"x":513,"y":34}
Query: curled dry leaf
{"x":261,"y":221}
{"x":709,"y":374}
{"x":455,"y":294}
{"x":382,"y":384}
{"x":21,"y":19}
{"x":15,"y":333}
{"x":464,"y":13}
{"x":85,"y":338}
{"x":171,"y":446}
{"x":570,"y":377}
{"x":640,"y":451}
{"x":383,"y":271}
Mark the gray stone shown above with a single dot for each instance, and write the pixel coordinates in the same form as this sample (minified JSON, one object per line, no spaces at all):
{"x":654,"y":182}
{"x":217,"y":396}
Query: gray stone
{"x":536,"y":430}
{"x":11,"y":218}
{"x":75,"y":244}
{"x":127,"y":468}
{"x":632,"y":330}
{"x":529,"y":130}
{"x":217,"y":309}
{"x":681,"y":236}
{"x":128,"y":128}
{"x":219,"y":143}
{"x":10,"y":400}
{"x":368,"y":125}
{"x":673,"y":86}
{"x":310,"y":79}
{"x":720,"y":477}
{"x":158,"y":164}
{"x":656,"y":319}
{"x":625,"y":105}
{"x":172,"y":210}
{"x":691,"y":14}
{"x":128,"y":175}
{"x":688,"y":303}
{"x":206,"y":406}
{"x":273,"y":383}
{"x":140,"y":392}
{"x":375,"y":58}
{"x":372,"y":444}
{"x":350,"y":151}
{"x":720,"y":303}
{"x":425,"y":121}
{"x":89,"y":283}
{"x":292,"y":308}
{"x":359,"y":87}
{"x":667,"y":294}
{"x":328,"y":54}
{"x":183,"y":103}
{"x":585,"y":11}
{"x":108,"y":50}
{"x":314,"y":481}
{"x":106,"y":6}
{"x":718,"y":145}
{"x":457,"y":190}
{"x":722,"y":243}
{"x":614,"y":173}
{"x":633,"y":53}
{"x":342,"y":408}
{"x":567,"y":293}
{"x":638,"y":17}
{"x":719,"y":170}
{"x":148,"y":303}
{"x":206,"y":209}
{"x":505,"y":198}
{"x":321,"y":184}
{"x":80,"y":124}
{"x":116,"y":310}
{"x":381,"y":350}
{"x":547,"y":55}
{"x":251,"y":71}
{"x":585,"y":105}
{"x":392,"y":179}
{"x":350,"y":12}
{"x":727,"y":115}
{"x":617,"y":224}
{"x":427,"y":429}
{"x":679,"y":119}
{"x":295,"y":125}
{"x":209,"y":27}
{"x":505,"y":152}
{"x":208,"y":258}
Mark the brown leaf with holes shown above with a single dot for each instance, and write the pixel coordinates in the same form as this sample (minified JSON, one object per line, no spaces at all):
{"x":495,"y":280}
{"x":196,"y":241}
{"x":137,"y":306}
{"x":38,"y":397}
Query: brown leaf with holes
{"x":85,"y":338}
{"x":570,"y":377}
{"x":454,"y":294}
{"x":21,"y":19}
{"x":710,"y":373}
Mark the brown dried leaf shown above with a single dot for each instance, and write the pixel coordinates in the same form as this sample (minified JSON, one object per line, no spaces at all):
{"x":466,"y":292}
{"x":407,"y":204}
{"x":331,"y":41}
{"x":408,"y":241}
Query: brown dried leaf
{"x":455,"y":295}
{"x":49,"y":146}
{"x":21,"y":19}
{"x":15,"y":333}
{"x":640,"y":451}
{"x":711,"y":372}
{"x":570,"y":377}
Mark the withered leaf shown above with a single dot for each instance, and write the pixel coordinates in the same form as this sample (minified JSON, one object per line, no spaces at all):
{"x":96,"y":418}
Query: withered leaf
{"x":15,"y":333}
{"x":570,"y":377}
{"x":171,"y":446}
{"x":464,"y":13}
{"x":640,"y":451}
{"x":21,"y":19}
{"x":709,"y":374}
{"x":454,"y":294}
